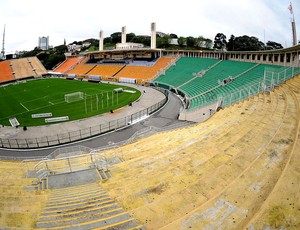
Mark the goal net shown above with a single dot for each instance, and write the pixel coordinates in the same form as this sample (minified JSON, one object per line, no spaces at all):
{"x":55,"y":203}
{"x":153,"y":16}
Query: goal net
{"x":71,"y":97}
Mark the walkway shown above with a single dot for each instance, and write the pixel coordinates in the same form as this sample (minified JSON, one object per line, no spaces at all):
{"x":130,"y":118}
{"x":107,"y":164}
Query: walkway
{"x":167,"y":117}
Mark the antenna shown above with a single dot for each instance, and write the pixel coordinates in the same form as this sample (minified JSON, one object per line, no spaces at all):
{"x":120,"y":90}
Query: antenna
{"x":3,"y":51}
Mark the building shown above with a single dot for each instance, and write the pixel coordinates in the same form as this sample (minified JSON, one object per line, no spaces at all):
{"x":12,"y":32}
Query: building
{"x":44,"y":43}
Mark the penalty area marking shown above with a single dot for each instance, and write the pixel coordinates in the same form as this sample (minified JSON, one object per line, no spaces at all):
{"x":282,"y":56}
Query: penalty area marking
{"x":24,"y":106}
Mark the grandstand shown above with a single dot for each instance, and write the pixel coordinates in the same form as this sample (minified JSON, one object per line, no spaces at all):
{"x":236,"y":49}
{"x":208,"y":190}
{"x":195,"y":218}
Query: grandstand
{"x":81,"y":69}
{"x":237,"y":170}
{"x":142,"y":73}
{"x":115,"y":69}
{"x":106,"y":72}
{"x":67,"y":65}
{"x":6,"y":72}
{"x":23,"y":68}
{"x":206,"y":81}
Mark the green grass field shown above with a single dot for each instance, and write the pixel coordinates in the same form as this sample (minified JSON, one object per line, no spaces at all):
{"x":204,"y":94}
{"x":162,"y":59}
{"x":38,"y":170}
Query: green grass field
{"x":47,"y":96}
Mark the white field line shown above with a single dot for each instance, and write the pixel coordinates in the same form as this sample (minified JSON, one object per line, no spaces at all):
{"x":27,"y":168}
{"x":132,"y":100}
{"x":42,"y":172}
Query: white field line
{"x":24,"y":106}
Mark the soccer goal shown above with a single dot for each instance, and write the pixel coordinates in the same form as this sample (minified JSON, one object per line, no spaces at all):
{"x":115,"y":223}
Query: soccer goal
{"x":71,"y":97}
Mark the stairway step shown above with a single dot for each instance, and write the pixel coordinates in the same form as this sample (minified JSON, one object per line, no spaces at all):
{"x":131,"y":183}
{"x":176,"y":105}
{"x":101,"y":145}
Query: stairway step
{"x":104,"y":223}
{"x":76,"y":220}
{"x":78,"y":209}
{"x":75,"y":201}
{"x":91,"y":211}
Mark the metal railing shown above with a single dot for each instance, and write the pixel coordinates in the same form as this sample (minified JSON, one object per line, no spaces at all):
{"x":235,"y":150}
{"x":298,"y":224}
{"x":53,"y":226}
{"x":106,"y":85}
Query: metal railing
{"x":68,"y":137}
{"x":267,"y":82}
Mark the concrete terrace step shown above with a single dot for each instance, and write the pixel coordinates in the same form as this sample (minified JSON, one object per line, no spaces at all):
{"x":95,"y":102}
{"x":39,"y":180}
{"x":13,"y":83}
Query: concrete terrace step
{"x":82,"y":219}
{"x":76,"y":200}
{"x":91,"y":211}
{"x":86,"y":202}
{"x":84,"y":207}
{"x":56,"y":215}
{"x":76,"y":207}
{"x":76,"y":195}
{"x":104,"y":223}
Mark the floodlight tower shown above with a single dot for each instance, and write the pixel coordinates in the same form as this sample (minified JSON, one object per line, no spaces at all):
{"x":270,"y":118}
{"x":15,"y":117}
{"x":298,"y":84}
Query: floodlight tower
{"x":123,"y":37}
{"x":293,"y":25}
{"x":153,"y":35}
{"x":101,"y":39}
{"x":3,"y":42}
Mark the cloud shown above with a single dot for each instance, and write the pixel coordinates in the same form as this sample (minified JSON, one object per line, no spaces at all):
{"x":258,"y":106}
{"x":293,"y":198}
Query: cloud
{"x":77,"y":20}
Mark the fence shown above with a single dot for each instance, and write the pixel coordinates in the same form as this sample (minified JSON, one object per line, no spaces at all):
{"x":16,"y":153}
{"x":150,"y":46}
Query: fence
{"x":70,"y":164}
{"x":267,"y":82}
{"x":63,"y":138}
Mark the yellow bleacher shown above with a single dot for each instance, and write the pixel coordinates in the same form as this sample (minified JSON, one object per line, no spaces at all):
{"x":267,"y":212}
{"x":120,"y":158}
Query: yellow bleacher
{"x":105,"y":70}
{"x":19,"y":208}
{"x":237,"y":170}
{"x":145,"y":72}
{"x":81,"y":68}
{"x":230,"y":163}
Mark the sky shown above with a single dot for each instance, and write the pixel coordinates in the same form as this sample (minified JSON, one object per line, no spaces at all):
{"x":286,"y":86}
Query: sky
{"x":73,"y":20}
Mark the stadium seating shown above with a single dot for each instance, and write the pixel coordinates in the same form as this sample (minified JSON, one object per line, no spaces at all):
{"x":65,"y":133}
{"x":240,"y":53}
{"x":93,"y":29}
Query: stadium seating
{"x":67,"y":65}
{"x":83,"y":207}
{"x":237,"y":170}
{"x":5,"y":72}
{"x":17,"y":69}
{"x":214,"y":174}
{"x":220,"y":72}
{"x":183,"y":71}
{"x":22,"y":68}
{"x":37,"y":66}
{"x":82,"y":68}
{"x":19,"y":207}
{"x":105,"y":71}
{"x":143,"y":73}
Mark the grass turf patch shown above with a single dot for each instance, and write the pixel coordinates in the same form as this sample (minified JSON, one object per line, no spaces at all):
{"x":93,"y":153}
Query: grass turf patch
{"x":47,"y":96}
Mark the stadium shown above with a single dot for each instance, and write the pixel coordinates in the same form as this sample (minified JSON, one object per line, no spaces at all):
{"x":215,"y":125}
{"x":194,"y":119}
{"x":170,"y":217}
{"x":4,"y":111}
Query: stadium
{"x":147,"y":138}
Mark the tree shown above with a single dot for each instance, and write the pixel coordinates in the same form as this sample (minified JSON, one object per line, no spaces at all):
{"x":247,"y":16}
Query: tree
{"x":181,"y":41}
{"x":230,"y":44}
{"x":163,"y":42}
{"x":116,"y":37}
{"x":190,"y":41}
{"x":173,"y":36}
{"x":220,"y":41}
{"x":245,"y":43}
{"x":200,"y":41}
{"x":208,"y":43}
{"x":271,"y":45}
{"x":129,"y":37}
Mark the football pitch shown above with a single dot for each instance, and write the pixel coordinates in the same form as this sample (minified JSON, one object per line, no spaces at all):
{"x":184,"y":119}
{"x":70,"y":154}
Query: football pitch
{"x":46,"y":96}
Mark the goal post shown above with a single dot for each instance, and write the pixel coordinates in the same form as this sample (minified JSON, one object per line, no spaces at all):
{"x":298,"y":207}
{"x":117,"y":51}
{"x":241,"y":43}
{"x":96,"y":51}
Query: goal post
{"x":71,"y":97}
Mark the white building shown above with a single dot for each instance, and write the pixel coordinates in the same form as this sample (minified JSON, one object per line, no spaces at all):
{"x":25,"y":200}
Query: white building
{"x":44,"y":43}
{"x":128,"y":46}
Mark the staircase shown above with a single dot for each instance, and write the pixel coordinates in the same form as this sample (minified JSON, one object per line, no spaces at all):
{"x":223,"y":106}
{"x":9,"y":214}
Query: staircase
{"x":84,"y":207}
